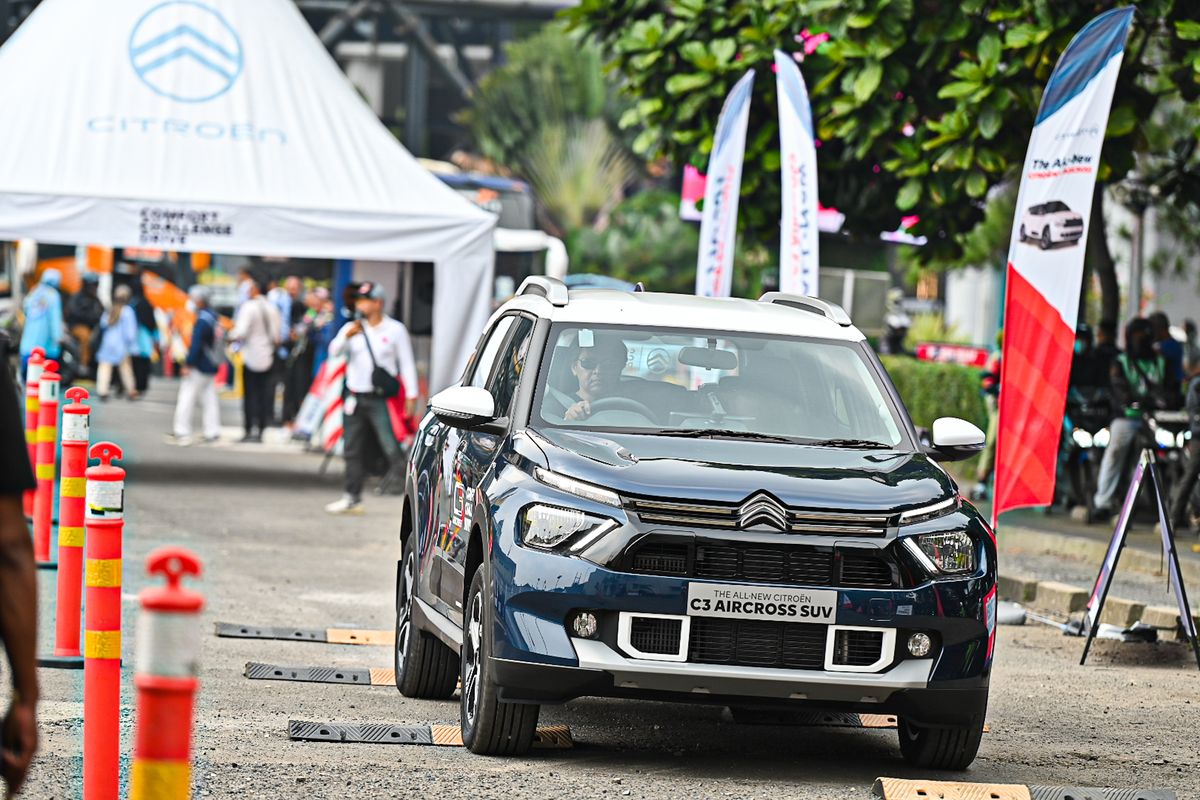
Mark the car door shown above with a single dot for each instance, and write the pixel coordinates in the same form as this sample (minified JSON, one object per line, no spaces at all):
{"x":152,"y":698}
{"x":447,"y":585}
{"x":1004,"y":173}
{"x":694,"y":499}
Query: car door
{"x":450,"y":493}
{"x":477,"y":454}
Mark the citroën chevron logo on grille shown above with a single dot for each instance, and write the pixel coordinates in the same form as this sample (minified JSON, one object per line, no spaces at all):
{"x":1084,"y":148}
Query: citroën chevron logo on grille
{"x":762,"y":509}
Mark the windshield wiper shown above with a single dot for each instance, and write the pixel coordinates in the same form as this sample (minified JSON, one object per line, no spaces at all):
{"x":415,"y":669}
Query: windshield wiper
{"x":864,"y":444}
{"x":724,"y":433}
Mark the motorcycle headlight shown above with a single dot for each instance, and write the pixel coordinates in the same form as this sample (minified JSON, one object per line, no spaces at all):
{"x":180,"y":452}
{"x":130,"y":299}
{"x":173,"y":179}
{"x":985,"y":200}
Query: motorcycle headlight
{"x":945,"y":553}
{"x":1164,"y":438}
{"x":1082,"y":438}
{"x":547,"y":527}
{"x":1101,"y":438}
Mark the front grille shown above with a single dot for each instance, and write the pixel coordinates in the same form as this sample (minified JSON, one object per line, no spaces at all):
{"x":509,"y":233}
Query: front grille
{"x":789,"y":565}
{"x":655,"y":635}
{"x":750,"y":643}
{"x":1073,"y":223}
{"x":694,"y":514}
{"x":857,"y":648}
{"x":661,"y":558}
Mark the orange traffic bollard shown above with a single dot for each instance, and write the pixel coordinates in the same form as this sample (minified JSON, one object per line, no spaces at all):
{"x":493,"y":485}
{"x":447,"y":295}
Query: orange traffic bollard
{"x":75,"y":433}
{"x":33,"y":376}
{"x":47,"y":450}
{"x":105,"y":521}
{"x":168,"y":666}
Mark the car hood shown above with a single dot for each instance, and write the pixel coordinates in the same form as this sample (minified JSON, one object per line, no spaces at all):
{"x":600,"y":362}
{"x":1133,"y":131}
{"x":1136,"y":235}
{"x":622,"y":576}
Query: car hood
{"x":730,"y":470}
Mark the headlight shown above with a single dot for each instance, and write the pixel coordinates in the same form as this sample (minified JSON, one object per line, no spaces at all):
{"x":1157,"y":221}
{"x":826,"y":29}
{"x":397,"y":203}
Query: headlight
{"x":946,"y":553}
{"x":588,"y":491}
{"x":546,"y":527}
{"x":1082,"y":438}
{"x":926,"y":513}
{"x":1164,"y":438}
{"x":1101,"y":438}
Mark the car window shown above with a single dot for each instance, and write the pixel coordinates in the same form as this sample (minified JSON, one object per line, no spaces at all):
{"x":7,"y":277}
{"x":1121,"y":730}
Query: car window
{"x":509,"y":365}
{"x":663,"y":380}
{"x":1055,"y":206}
{"x":487,"y":354}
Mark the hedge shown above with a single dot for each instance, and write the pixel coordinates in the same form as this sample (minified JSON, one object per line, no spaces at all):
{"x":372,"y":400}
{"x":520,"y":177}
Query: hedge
{"x":931,"y":390}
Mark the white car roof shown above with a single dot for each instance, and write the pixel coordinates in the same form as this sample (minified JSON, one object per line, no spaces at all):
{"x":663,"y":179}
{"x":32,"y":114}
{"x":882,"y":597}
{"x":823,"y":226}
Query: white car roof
{"x":660,"y":309}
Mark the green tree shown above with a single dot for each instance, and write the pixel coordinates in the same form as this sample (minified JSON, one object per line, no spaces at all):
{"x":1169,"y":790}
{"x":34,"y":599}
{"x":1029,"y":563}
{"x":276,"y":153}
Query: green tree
{"x":921,"y":105}
{"x":549,"y":116}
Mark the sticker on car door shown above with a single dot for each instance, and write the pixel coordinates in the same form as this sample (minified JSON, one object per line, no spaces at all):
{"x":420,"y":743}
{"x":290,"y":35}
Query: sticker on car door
{"x":773,"y":604}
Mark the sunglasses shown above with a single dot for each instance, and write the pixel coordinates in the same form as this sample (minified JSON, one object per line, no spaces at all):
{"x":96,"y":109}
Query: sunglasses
{"x":595,"y":363}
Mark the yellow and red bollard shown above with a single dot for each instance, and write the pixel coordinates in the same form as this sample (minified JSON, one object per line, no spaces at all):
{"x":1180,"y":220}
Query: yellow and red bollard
{"x":71,"y":489}
{"x":105,"y":522}
{"x":33,"y":376}
{"x":47,"y":445}
{"x":168,"y":666}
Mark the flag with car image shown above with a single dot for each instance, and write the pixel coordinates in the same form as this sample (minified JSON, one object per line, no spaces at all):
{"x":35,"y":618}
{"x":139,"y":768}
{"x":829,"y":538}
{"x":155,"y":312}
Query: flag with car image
{"x":1043,"y":281}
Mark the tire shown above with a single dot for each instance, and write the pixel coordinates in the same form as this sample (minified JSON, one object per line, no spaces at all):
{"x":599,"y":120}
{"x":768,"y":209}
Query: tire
{"x":1045,"y":242}
{"x":489,"y":726}
{"x":1023,"y":237}
{"x":424,"y":666}
{"x":940,"y":748}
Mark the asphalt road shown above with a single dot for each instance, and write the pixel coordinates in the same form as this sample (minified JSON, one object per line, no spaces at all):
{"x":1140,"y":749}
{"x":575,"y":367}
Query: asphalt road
{"x":272,"y":557}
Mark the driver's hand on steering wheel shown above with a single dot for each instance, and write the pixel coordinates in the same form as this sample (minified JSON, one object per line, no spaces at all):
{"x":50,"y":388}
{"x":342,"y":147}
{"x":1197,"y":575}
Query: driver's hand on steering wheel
{"x":581,"y":410}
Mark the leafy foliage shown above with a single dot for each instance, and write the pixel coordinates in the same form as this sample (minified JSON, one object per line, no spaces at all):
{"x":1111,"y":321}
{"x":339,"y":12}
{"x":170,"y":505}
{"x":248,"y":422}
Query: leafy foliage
{"x":920,"y":105}
{"x":930,"y":390}
{"x":550,"y":116}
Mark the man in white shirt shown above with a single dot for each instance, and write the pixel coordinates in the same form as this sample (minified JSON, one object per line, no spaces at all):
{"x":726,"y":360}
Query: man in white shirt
{"x":372,"y":340}
{"x":257,"y":331}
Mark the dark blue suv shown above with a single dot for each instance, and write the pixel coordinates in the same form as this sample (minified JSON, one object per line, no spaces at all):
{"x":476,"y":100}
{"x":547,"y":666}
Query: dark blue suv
{"x":704,"y":500}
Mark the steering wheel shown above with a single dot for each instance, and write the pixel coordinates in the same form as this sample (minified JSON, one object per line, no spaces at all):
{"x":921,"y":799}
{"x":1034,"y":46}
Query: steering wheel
{"x":621,"y":404}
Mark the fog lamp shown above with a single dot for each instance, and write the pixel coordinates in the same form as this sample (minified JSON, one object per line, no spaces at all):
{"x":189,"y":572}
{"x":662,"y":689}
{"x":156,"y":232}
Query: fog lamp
{"x":919,"y":645}
{"x":584,"y":625}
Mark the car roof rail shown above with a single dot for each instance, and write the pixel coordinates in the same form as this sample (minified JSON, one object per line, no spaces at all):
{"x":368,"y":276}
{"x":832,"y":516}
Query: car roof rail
{"x":554,"y":290}
{"x":831,"y":311}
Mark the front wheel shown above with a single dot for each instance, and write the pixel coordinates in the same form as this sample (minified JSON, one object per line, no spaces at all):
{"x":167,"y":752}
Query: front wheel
{"x":424,"y":666}
{"x":1045,"y":243}
{"x":489,"y":727}
{"x":940,"y":748}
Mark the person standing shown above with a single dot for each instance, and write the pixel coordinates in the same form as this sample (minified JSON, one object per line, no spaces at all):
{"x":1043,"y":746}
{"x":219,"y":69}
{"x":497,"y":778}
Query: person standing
{"x":1141,"y":383}
{"x":84,"y":312}
{"x":118,"y":337}
{"x":43,"y":318}
{"x":199,"y":373}
{"x":147,"y":337}
{"x":256,"y":329}
{"x":18,"y":588}
{"x":372,"y":340}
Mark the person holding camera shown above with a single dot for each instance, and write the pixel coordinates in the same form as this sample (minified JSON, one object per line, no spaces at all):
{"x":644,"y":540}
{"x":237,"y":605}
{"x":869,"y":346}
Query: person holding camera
{"x":1142,"y":383}
{"x":380,"y":372}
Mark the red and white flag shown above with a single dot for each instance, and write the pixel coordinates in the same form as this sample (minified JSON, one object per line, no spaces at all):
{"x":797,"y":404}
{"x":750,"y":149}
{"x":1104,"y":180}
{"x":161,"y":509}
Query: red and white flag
{"x":1045,"y":259}
{"x":799,"y":264}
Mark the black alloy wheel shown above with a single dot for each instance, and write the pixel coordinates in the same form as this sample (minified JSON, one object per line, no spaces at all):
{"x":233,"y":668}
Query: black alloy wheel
{"x":424,"y":666}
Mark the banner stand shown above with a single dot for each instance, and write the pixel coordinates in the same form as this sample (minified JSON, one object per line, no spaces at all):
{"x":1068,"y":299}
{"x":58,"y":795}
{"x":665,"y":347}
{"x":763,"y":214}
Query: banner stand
{"x":1091,"y":617}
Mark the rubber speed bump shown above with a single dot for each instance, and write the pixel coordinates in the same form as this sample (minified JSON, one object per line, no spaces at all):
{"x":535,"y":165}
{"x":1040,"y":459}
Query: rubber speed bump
{"x":547,"y":737}
{"x":363,"y":677}
{"x":900,"y":789}
{"x":322,"y":635}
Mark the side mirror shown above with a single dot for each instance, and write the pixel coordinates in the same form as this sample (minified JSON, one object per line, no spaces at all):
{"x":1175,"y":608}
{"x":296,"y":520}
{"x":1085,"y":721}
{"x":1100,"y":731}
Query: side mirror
{"x":463,"y":406}
{"x":954,"y":439}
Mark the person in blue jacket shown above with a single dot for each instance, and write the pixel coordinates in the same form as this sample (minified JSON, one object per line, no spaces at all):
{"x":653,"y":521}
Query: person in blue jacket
{"x":199,"y":375}
{"x":43,"y":318}
{"x":118,"y":338}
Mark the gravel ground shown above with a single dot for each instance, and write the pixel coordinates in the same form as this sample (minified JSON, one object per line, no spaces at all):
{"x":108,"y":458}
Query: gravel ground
{"x":272,"y":558}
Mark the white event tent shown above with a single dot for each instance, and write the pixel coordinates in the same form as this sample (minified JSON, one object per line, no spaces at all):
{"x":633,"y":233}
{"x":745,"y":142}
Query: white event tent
{"x":222,"y":126}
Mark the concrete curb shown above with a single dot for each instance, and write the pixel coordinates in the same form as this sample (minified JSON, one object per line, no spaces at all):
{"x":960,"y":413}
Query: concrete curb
{"x":1063,"y":600}
{"x":1092,"y":550}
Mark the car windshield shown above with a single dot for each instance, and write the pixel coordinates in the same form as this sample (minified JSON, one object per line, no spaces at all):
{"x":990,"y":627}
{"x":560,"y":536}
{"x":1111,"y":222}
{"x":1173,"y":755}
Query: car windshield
{"x":675,"y":382}
{"x":1054,"y":206}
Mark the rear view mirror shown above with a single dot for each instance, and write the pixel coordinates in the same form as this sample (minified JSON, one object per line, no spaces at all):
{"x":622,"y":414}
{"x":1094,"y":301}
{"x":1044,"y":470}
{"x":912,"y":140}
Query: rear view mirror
{"x":706,"y":358}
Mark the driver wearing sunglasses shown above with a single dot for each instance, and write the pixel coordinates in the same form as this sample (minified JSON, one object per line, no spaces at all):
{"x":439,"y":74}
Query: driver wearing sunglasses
{"x":598,"y":370}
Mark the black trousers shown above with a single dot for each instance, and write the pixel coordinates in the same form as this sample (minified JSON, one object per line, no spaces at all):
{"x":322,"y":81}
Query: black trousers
{"x":369,"y":422}
{"x":256,"y":399}
{"x":141,"y":373}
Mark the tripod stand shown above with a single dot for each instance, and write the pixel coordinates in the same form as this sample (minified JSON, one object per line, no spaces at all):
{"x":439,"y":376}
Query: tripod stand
{"x":1091,"y":617}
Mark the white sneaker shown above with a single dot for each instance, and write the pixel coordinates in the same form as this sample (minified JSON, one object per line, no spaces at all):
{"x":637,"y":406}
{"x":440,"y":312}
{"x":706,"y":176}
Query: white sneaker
{"x":347,"y":505}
